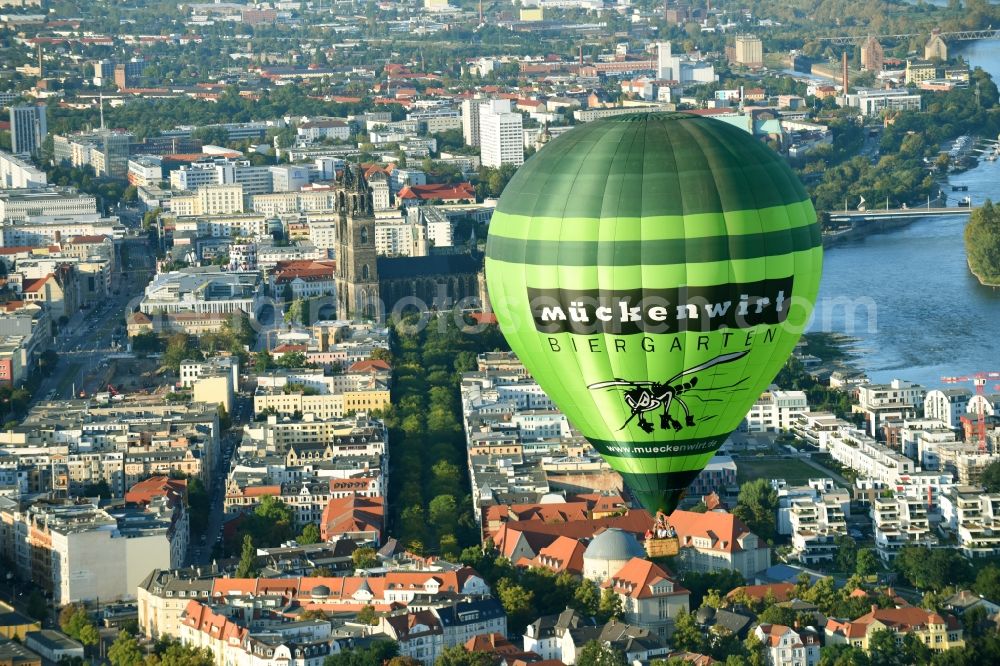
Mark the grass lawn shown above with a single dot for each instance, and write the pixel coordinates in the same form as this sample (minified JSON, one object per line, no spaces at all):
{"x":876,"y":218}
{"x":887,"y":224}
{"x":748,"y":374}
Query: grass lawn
{"x":795,"y":472}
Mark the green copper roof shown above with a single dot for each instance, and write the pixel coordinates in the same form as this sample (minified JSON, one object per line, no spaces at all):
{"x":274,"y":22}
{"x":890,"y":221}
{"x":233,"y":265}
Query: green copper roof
{"x":650,"y":164}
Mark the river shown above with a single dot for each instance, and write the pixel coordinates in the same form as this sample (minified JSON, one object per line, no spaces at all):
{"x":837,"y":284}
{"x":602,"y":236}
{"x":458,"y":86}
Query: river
{"x":907,"y":296}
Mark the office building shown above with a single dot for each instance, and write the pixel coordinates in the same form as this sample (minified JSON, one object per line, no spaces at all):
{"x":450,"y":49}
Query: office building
{"x":27,"y":129}
{"x":501,"y":134}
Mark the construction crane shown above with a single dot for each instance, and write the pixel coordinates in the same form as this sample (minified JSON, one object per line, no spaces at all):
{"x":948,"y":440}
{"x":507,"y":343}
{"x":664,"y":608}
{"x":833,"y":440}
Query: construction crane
{"x":978,"y":380}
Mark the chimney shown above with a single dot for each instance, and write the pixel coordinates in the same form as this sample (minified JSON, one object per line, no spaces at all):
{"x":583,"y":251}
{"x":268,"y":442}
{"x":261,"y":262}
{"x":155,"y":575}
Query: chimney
{"x":874,"y":608}
{"x":581,"y":54}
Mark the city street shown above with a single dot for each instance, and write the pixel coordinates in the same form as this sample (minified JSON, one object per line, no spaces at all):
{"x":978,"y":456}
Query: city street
{"x":87,"y":338}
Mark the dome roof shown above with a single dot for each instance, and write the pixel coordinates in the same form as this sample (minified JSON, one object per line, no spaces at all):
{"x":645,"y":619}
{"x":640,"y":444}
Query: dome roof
{"x":614,"y":544}
{"x":320,"y":591}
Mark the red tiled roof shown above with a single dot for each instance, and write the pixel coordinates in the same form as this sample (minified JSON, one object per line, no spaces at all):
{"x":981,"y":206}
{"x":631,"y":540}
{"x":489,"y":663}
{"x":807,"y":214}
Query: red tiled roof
{"x":157,"y":486}
{"x":638,"y":576}
{"x":563,"y":554}
{"x":31,"y":286}
{"x":352,"y":514}
{"x":899,"y":620}
{"x":456,"y":192}
{"x":87,"y":240}
{"x":723,"y":530}
{"x":370,"y":365}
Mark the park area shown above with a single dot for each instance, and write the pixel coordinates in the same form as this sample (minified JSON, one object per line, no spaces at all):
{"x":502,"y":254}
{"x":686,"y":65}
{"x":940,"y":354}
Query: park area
{"x":792,"y":470}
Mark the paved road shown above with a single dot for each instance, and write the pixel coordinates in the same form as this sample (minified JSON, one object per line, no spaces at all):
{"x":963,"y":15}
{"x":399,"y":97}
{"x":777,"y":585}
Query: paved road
{"x":88,"y":337}
{"x":200,"y":552}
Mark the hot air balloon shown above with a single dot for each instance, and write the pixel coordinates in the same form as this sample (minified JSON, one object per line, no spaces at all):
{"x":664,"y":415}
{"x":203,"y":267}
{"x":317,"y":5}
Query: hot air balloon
{"x":653,"y":271}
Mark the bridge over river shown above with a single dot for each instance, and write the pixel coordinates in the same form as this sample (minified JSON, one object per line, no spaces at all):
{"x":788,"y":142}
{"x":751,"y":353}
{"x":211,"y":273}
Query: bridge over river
{"x":885,"y":214}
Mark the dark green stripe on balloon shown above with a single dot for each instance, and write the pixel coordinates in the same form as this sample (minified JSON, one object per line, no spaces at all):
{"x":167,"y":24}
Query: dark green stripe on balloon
{"x":660,"y":492}
{"x":650,"y":164}
{"x":656,"y":450}
{"x":658,"y":252}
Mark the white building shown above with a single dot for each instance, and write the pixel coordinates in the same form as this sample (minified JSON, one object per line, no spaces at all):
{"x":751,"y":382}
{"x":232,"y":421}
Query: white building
{"x":896,"y":401}
{"x":470,"y":121}
{"x":876,"y":102}
{"x":776,"y":411}
{"x":784,"y":646}
{"x":89,"y":553}
{"x":16,"y":173}
{"x":947,"y":405}
{"x":973,"y":517}
{"x":18,"y":205}
{"x":203,"y":290}
{"x":399,"y":238}
{"x":327,"y":128}
{"x":500,"y":134}
{"x":900,"y":521}
{"x":209,"y":200}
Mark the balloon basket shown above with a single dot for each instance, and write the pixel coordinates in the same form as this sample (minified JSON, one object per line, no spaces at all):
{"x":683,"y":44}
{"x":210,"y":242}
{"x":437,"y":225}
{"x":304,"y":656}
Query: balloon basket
{"x":662,"y":547}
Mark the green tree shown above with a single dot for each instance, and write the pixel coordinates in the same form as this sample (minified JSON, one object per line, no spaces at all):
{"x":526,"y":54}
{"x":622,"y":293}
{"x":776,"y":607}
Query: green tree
{"x":842,"y":655}
{"x":991,"y":474}
{"x":376,"y":654}
{"x":867,"y":563}
{"x":847,"y":553}
{"x":596,"y":653}
{"x":310,"y":534}
{"x":364,"y":557}
{"x":89,"y":635}
{"x":247,"y":567}
{"x":757,"y":506}
{"x":884,"y":651}
{"x":368,"y":616}
{"x":442,"y":511}
{"x":988,"y":582}
{"x":263,"y":361}
{"x":459,"y":656}
{"x":932,"y":569}
{"x":687,"y":635}
{"x":587,"y":598}
{"x":125,"y":651}
{"x":517,"y":601}
{"x":982,"y":247}
{"x":610,"y":607}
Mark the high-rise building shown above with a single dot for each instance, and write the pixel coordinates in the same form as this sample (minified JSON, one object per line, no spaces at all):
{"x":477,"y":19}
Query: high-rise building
{"x":501,"y":134}
{"x":104,"y":70}
{"x":872,"y":55}
{"x":27,"y":129}
{"x":470,"y":121}
{"x":664,"y":62}
{"x":748,"y":51}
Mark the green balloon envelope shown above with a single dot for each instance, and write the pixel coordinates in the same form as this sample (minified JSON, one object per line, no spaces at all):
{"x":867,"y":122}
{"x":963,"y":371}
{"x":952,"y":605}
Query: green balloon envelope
{"x":653,"y":272}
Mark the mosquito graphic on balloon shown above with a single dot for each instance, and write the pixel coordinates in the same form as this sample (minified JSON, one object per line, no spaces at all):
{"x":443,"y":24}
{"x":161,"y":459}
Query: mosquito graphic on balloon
{"x":649,"y":396}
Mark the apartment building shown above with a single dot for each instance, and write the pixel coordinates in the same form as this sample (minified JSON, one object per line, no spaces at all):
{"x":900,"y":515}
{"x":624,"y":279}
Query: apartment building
{"x":501,"y":134}
{"x":78,"y":552}
{"x":898,"y":400}
{"x":900,"y":521}
{"x":776,"y":411}
{"x":936,"y":631}
{"x":973,"y":517}
{"x":947,"y":405}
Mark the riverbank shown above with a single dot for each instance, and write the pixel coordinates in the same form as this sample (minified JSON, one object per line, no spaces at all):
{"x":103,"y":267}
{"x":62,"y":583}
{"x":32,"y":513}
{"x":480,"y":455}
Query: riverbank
{"x":982,"y":280}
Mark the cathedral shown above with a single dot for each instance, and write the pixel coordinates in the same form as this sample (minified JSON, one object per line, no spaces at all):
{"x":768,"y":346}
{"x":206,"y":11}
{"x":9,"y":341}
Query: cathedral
{"x":373,"y":287}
